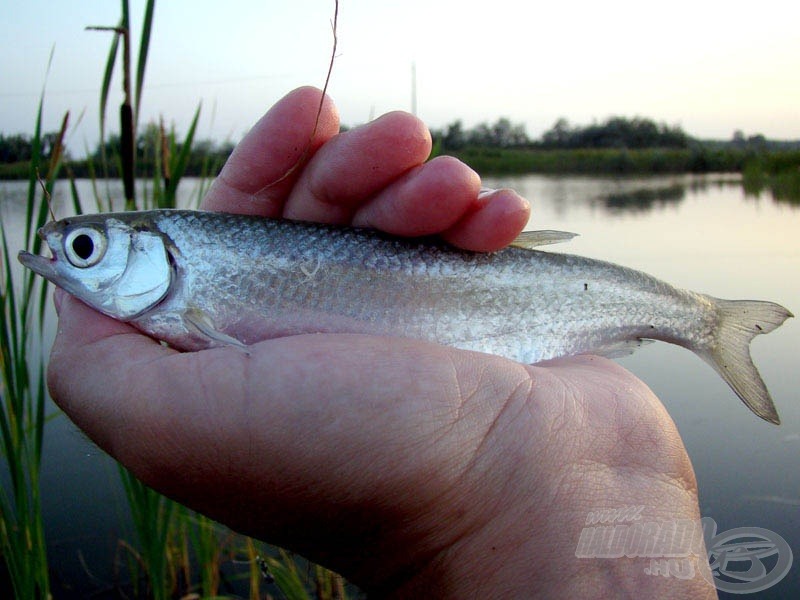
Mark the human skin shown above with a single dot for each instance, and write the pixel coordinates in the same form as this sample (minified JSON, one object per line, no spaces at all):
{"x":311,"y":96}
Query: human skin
{"x":411,"y":468}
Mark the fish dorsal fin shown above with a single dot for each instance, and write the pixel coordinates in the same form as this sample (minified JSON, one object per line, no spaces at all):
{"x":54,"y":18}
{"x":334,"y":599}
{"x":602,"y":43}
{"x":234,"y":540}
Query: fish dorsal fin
{"x":532,"y":239}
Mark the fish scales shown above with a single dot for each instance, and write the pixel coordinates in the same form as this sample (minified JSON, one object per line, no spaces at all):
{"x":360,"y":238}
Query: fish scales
{"x":198,"y":279}
{"x":419,"y":289}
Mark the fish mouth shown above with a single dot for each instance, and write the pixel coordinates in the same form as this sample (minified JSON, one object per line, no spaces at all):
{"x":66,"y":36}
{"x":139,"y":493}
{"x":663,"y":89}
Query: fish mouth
{"x":38,"y":264}
{"x":41,"y":265}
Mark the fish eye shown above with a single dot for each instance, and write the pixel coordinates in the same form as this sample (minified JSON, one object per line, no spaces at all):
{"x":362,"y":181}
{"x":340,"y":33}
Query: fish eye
{"x":84,"y":246}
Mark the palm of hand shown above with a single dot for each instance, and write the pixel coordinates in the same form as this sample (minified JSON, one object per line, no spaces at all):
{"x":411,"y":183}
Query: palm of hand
{"x":336,"y":444}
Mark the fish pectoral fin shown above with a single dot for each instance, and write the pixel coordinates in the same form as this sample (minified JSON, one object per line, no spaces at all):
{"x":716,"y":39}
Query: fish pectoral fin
{"x":544,"y":237}
{"x":200,"y":323}
{"x":622,"y":347}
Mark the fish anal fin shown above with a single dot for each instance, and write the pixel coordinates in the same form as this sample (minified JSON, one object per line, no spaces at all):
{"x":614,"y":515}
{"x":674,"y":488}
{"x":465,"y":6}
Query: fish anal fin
{"x":200,"y":323}
{"x":621,"y":348}
{"x":544,"y":237}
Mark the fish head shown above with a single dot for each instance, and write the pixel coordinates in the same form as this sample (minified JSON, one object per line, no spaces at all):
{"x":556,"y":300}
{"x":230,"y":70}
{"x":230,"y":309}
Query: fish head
{"x":120,"y":269}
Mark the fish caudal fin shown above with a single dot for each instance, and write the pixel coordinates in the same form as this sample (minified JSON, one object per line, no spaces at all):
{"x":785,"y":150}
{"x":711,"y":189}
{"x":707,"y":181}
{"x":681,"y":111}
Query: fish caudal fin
{"x":739,"y":322}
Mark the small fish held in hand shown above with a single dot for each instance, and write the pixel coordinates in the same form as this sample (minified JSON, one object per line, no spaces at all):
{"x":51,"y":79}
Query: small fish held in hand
{"x":198,"y":280}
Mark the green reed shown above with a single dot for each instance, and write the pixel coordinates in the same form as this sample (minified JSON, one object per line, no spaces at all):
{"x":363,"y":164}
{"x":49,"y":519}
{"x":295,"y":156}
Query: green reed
{"x":173,"y":551}
{"x":171,"y":542}
{"x":22,"y":418}
{"x":209,"y":541}
{"x":778,"y":172}
{"x":155,"y":555}
{"x":152,"y":516}
{"x":601,"y":161}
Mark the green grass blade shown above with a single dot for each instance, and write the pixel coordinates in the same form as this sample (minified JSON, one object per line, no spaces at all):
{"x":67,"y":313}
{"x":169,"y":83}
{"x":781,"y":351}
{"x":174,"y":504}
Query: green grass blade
{"x":11,"y":409}
{"x":144,"y":46}
{"x":105,"y":88}
{"x":125,"y":22}
{"x":152,"y":516}
{"x":74,"y":195}
{"x":207,"y":547}
{"x":287,"y":578}
{"x":22,"y":542}
{"x":36,"y":159}
{"x":56,"y":162}
{"x":181,"y":160}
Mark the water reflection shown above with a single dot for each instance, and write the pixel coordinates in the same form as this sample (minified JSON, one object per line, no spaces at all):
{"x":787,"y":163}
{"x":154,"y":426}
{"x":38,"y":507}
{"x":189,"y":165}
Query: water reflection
{"x":782,"y":189}
{"x":612,"y":195}
{"x":645,"y":199}
{"x":616,"y":196}
{"x":701,"y":232}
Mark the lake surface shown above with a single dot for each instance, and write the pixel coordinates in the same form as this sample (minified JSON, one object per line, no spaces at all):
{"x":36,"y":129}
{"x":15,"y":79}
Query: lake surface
{"x":698,"y":232}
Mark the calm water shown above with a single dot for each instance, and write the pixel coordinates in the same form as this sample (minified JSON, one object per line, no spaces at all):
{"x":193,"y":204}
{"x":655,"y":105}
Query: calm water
{"x":701,"y":233}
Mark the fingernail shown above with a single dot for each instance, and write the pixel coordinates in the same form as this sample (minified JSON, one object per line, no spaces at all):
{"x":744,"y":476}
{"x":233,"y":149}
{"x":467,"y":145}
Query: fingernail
{"x":485,"y":191}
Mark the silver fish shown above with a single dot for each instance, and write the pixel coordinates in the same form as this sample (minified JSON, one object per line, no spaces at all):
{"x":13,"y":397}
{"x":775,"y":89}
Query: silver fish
{"x":197,"y":280}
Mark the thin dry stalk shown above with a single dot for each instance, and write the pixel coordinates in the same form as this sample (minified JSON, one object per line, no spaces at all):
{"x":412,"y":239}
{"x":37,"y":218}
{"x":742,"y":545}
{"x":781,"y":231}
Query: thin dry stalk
{"x":307,"y":150}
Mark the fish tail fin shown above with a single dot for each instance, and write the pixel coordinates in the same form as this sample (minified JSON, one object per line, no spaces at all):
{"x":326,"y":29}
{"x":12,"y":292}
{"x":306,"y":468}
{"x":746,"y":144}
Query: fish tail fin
{"x":739,"y":322}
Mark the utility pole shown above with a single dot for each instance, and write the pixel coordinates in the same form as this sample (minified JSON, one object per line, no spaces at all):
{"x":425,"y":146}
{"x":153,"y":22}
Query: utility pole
{"x":414,"y":88}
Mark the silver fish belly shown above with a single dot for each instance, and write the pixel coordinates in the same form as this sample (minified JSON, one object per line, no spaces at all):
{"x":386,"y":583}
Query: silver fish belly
{"x":197,"y":280}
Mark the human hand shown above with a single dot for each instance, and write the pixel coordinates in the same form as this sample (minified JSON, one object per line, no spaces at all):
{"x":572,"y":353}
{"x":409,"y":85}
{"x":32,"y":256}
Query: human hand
{"x":411,"y":468}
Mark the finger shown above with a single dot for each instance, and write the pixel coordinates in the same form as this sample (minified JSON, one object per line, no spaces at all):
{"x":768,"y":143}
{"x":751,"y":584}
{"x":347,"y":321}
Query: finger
{"x":426,"y":200}
{"x":497,"y":219}
{"x":355,"y":165}
{"x":254,"y":180}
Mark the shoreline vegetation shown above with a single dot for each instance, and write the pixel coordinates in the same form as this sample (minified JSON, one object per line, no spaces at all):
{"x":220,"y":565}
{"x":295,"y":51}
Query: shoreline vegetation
{"x":495,"y":160}
{"x":618,"y":146}
{"x":165,"y":550}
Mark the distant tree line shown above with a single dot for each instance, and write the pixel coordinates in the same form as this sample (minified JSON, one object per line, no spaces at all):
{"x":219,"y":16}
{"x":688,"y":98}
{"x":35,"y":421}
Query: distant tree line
{"x":207,"y":156}
{"x":615,"y":132}
{"x":617,"y":145}
{"x":19,"y":147}
{"x":504,"y":144}
{"x":503,"y":134}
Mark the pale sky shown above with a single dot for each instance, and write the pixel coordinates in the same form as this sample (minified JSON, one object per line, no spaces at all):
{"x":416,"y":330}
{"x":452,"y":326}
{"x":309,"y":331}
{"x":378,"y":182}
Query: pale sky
{"x":709,"y":66}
